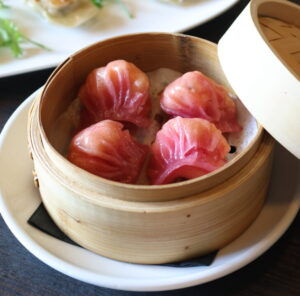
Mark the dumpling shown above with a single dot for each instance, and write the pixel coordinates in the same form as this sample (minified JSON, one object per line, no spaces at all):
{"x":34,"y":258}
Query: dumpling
{"x":59,"y":7}
{"x":108,"y":151}
{"x":119,"y":91}
{"x":186,"y":148}
{"x":194,"y":95}
{"x":69,"y":13}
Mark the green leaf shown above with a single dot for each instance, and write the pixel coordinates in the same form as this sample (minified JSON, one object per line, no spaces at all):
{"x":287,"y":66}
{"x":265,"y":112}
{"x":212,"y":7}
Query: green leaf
{"x":3,"y":5}
{"x":98,"y":3}
{"x":125,"y":8}
{"x":101,"y":3}
{"x":12,"y":38}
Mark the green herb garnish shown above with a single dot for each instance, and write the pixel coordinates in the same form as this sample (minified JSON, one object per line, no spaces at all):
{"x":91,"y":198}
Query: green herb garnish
{"x":125,"y":8}
{"x":11,"y":37}
{"x":98,"y":3}
{"x":3,"y":5}
{"x":101,"y":3}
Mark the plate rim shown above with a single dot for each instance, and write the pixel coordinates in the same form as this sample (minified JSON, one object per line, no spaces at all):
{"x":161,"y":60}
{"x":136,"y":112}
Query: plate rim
{"x":62,"y":56}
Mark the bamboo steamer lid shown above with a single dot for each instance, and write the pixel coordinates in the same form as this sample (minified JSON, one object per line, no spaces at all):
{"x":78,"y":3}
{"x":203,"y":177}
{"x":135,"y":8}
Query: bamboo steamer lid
{"x":260,"y":55}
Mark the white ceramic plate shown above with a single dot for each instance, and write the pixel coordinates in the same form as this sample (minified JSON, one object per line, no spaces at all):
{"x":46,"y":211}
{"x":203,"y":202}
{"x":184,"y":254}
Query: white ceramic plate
{"x":150,"y":15}
{"x":19,"y":199}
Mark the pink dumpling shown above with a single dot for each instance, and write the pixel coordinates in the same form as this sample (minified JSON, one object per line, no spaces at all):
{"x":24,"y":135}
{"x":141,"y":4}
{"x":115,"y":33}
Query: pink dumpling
{"x":108,"y":151}
{"x":186,"y":148}
{"x":194,"y":95}
{"x":119,"y":91}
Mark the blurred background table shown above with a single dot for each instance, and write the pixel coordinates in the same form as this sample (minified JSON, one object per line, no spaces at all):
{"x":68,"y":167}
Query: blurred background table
{"x":277,"y":272}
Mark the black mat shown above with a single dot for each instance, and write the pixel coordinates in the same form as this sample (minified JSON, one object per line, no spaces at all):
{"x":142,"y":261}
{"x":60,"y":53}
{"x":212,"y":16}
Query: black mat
{"x":40,"y":219}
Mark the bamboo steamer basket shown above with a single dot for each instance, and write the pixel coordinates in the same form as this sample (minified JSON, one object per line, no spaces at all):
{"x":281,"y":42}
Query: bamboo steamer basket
{"x":178,"y":52}
{"x":143,"y":223}
{"x":136,"y":223}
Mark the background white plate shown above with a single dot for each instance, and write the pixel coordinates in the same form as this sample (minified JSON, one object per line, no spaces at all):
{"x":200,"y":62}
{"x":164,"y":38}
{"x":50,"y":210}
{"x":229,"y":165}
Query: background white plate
{"x":150,"y":15}
{"x":19,"y":199}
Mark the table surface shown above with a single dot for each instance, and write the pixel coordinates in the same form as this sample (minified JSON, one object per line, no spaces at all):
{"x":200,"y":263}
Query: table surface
{"x":277,"y":272}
